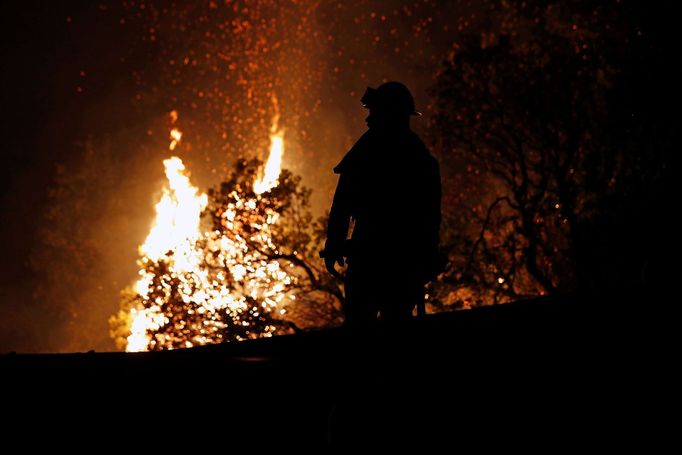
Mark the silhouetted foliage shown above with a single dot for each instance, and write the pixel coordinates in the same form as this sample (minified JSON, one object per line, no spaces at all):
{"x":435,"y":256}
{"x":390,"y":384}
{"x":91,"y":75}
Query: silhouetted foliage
{"x":297,"y":239}
{"x":543,"y":157}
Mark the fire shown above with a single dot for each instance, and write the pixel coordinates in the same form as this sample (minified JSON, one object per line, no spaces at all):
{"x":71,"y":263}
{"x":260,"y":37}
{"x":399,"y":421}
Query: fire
{"x":176,"y":229}
{"x":181,"y":265}
{"x":175,"y":136}
{"x":177,"y":218}
{"x":273,"y":166}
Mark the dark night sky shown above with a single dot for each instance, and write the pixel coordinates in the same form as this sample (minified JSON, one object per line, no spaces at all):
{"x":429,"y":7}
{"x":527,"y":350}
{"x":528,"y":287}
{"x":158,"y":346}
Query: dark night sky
{"x":43,"y":111}
{"x":105,"y":75}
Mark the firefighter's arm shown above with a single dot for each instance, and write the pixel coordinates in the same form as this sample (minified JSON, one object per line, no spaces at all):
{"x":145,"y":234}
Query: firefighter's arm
{"x":337,"y":228}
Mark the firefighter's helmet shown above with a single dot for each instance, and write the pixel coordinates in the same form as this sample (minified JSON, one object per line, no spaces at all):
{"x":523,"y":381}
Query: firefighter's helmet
{"x":390,"y":97}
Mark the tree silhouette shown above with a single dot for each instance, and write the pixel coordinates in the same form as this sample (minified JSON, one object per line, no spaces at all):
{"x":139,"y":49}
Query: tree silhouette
{"x":535,"y":120}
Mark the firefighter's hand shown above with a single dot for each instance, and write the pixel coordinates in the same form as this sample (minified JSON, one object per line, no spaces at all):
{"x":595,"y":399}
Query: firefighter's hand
{"x":330,"y":262}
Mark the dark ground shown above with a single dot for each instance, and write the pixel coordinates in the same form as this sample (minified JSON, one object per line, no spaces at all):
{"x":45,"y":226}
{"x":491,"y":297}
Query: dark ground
{"x":571,"y":373}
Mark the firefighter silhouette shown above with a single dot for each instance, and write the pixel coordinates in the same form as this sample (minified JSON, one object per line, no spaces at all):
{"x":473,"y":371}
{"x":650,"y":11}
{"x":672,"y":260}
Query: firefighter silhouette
{"x":389,"y":189}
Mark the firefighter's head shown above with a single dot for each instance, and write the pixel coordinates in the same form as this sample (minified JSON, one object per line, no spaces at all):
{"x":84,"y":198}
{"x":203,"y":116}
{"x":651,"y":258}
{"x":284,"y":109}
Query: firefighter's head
{"x":389,"y":104}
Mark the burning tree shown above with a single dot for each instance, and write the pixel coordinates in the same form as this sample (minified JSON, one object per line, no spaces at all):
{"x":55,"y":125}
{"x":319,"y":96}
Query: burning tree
{"x":243,"y":277}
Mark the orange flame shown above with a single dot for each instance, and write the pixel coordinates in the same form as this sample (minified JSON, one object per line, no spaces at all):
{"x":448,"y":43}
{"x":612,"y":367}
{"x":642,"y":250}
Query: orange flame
{"x":176,"y":228}
{"x":175,"y":135}
{"x":273,"y":166}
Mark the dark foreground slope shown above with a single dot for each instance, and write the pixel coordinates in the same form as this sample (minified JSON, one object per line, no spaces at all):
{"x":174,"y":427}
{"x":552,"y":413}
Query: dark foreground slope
{"x":545,"y":374}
